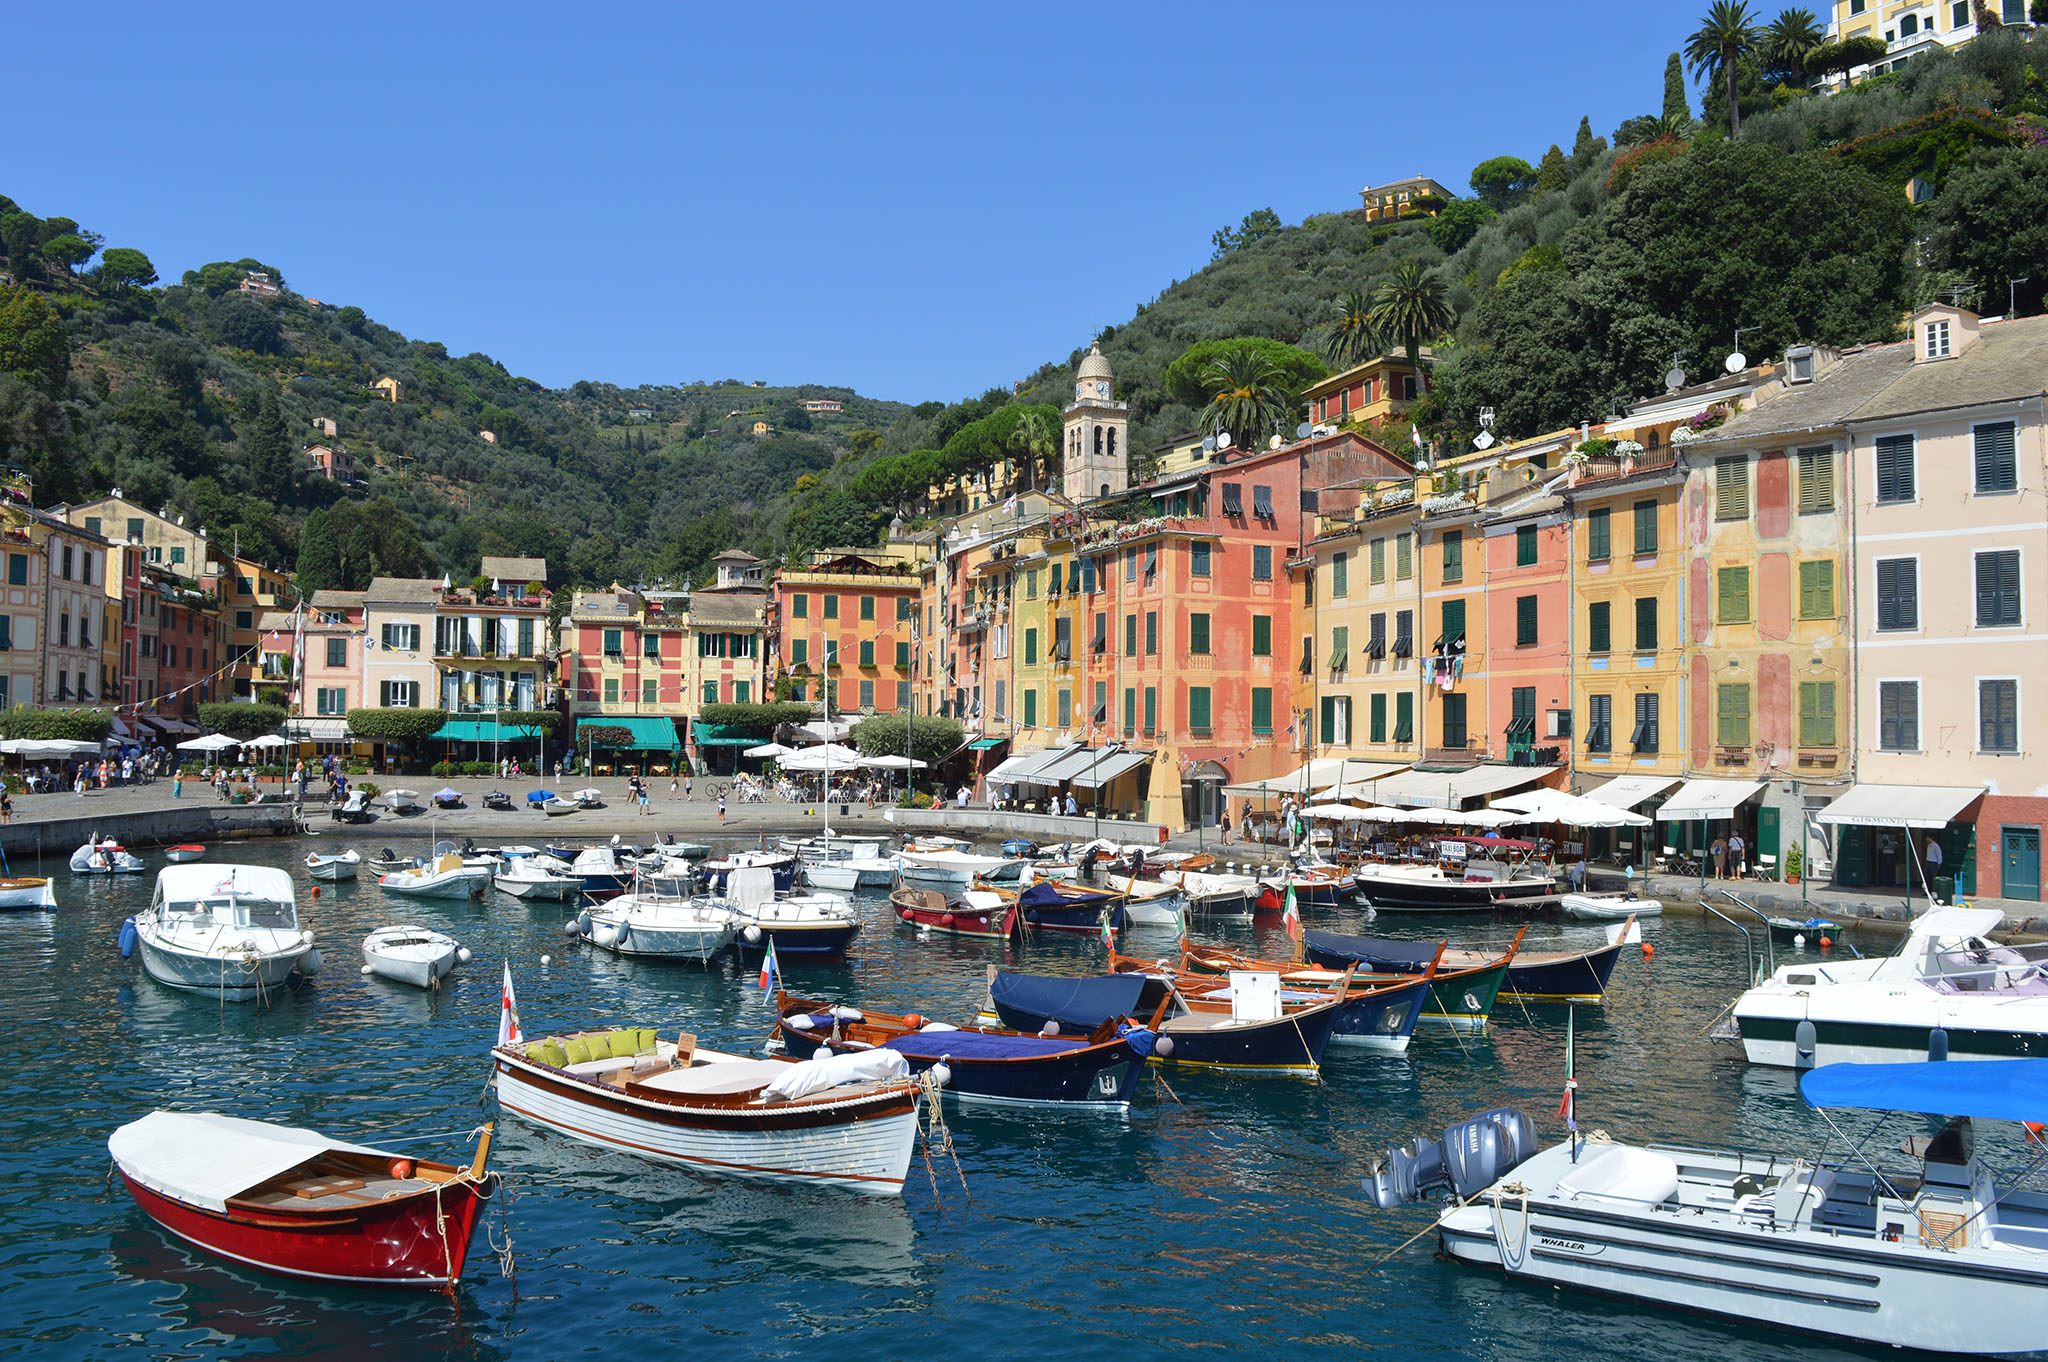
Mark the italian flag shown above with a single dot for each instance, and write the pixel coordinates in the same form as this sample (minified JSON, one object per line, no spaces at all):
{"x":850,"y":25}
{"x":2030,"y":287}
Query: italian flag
{"x":768,"y":967}
{"x":1290,"y":915}
{"x":508,"y":1011}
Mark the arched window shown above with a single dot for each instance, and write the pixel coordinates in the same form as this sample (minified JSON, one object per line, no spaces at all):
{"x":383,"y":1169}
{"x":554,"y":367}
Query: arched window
{"x":1104,"y":491}
{"x":1098,"y":439}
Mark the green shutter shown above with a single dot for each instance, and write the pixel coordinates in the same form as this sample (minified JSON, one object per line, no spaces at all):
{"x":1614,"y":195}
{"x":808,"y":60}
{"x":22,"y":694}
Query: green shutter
{"x":1030,"y":709}
{"x":1151,"y":709}
{"x":1731,"y":488}
{"x":1817,"y":589}
{"x":1130,"y":708}
{"x":1646,"y":527}
{"x":1262,"y":709}
{"x":1404,"y":557}
{"x":1198,"y":709}
{"x":1404,"y":717}
{"x":1329,"y":719}
{"x":1030,"y":647}
{"x":1454,"y":555}
{"x":1732,"y":715}
{"x":1454,"y":620}
{"x":1340,"y":647}
{"x":1262,"y":635}
{"x":1379,"y":716}
{"x":1525,"y":621}
{"x":1525,"y":546}
{"x":1646,"y":623}
{"x":1598,"y":536}
{"x":1597,"y":627}
{"x":1198,"y":633}
{"x":867,"y":652}
{"x":1379,"y":560}
{"x":1732,"y":596}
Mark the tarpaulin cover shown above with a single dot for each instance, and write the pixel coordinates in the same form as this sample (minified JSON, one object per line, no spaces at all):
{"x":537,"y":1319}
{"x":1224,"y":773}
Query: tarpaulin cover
{"x":204,"y":1159}
{"x":1027,"y":1001}
{"x":1993,"y":1089}
{"x":1047,"y":894}
{"x":982,"y":1045}
{"x":1373,"y":948}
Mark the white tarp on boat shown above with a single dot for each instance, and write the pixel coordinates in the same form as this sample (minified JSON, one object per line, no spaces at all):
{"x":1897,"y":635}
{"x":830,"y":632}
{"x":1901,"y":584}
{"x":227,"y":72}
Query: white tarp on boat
{"x":1901,"y":806}
{"x":204,"y":1159}
{"x":827,"y":1070}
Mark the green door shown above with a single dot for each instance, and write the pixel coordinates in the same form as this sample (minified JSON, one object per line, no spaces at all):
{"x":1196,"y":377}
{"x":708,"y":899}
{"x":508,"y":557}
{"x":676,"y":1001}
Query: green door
{"x":1767,"y":831}
{"x":2020,"y":863}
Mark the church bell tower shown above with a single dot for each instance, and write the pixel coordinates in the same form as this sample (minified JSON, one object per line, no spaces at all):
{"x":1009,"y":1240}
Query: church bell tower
{"x":1095,"y":456}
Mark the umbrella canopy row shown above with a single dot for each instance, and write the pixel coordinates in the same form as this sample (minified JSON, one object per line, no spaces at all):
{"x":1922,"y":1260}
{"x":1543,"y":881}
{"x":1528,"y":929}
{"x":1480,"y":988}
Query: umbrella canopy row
{"x":1529,"y":808}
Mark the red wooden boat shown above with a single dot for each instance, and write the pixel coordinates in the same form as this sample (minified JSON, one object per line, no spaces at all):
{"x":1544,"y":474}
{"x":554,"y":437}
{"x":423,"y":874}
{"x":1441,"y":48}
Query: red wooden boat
{"x":978,"y":912}
{"x":295,"y":1202}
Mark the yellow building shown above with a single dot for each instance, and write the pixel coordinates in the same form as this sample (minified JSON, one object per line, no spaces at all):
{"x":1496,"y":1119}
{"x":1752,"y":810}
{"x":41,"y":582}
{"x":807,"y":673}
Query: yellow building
{"x":1361,"y":647}
{"x":1909,"y":28}
{"x":1390,"y":202}
{"x":1369,"y":394}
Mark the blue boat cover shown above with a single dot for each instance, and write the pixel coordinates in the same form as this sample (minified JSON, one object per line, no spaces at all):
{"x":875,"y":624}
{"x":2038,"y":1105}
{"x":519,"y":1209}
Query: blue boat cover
{"x":1373,"y":948}
{"x":1993,"y":1089}
{"x":540,"y":796}
{"x":1083,"y":1003}
{"x":1048,"y":894}
{"x":981,"y":1045}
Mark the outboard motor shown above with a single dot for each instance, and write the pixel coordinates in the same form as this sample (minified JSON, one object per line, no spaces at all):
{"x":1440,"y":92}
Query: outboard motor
{"x":1471,"y":1155}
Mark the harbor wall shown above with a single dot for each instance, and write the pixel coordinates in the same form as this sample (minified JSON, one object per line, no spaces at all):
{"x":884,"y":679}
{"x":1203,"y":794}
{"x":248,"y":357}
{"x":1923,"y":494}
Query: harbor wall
{"x":59,"y":837}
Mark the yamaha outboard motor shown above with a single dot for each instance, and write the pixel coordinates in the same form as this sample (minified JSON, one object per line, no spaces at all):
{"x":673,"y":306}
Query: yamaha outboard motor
{"x":1470,"y":1156}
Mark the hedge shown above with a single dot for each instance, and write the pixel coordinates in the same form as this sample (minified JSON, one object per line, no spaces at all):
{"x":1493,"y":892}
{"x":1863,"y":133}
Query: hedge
{"x":396,"y":725}
{"x":241,"y":721}
{"x":935,"y":738}
{"x":56,"y":725}
{"x":755,"y":721}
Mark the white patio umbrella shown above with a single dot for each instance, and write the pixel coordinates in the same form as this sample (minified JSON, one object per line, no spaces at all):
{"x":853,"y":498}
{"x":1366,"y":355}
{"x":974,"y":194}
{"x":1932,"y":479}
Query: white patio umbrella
{"x":821,"y":730}
{"x":1555,"y":806}
{"x":1346,"y":813}
{"x":828,"y":757}
{"x":212,"y":742}
{"x":892,"y":762}
{"x":267,"y":740}
{"x":768,"y":749}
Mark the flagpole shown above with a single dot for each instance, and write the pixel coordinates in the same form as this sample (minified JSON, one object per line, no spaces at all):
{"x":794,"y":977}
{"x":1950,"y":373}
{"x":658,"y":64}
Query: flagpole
{"x":1571,"y":1083}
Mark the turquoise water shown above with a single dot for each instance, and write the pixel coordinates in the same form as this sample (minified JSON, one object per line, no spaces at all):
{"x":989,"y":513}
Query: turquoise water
{"x":1220,"y":1213}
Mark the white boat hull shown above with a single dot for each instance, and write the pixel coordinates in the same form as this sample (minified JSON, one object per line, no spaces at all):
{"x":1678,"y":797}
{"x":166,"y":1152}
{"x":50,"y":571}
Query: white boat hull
{"x":331,"y":871}
{"x":870,"y":1156}
{"x":556,"y":889}
{"x":665,"y":943}
{"x":847,"y":875}
{"x":419,"y":966}
{"x":37,"y":895}
{"x":1608,"y":907}
{"x":235,"y":978}
{"x":464,"y":884}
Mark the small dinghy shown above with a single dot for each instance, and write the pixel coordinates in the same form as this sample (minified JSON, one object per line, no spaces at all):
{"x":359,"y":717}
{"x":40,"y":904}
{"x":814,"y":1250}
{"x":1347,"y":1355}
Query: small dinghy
{"x":499,"y":801}
{"x":529,"y":877}
{"x":355,"y":808}
{"x":412,"y":955}
{"x":341,"y":866}
{"x":190,"y":851}
{"x":404,"y":803}
{"x":387,"y":860}
{"x":26,"y":891}
{"x":446,"y":878}
{"x":555,"y":808}
{"x":295,"y":1202}
{"x":107,"y":857}
{"x":589,"y":798}
{"x":445,"y":798}
{"x":1608,"y":907}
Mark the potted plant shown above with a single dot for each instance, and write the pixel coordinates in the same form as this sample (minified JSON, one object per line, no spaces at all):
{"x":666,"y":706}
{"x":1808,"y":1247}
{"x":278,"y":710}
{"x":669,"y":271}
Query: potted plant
{"x":1792,"y":864}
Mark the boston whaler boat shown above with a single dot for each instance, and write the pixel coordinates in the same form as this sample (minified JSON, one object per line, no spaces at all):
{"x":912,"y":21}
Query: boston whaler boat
{"x":107,"y":857}
{"x":295,"y":1202}
{"x":446,"y":878}
{"x":663,"y":926}
{"x":532,"y":877}
{"x":230,"y":930}
{"x":336,"y":867}
{"x":820,"y":926}
{"x":1946,"y":1256}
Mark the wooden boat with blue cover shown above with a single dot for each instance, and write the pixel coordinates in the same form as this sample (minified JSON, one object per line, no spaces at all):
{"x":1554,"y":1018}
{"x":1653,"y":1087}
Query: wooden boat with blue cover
{"x":1533,"y":976}
{"x":1462,"y":999}
{"x":1186,"y":1035}
{"x":1061,"y":906}
{"x":984,"y":1064}
{"x":1380,"y":1010}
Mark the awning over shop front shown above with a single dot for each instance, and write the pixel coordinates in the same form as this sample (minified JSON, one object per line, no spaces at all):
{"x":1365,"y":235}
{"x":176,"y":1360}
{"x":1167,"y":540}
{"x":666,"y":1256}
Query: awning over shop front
{"x":1901,"y":806}
{"x":1031,"y":770}
{"x":1709,"y":799}
{"x":1626,"y":792}
{"x":983,"y":744}
{"x":716,"y":735}
{"x":1450,"y":789}
{"x":483,"y":730}
{"x":1072,"y":765}
{"x":317,"y":730}
{"x":1109,"y":767}
{"x":171,"y":728}
{"x":649,"y":733}
{"x":1320,"y":774}
{"x":1005,"y":772}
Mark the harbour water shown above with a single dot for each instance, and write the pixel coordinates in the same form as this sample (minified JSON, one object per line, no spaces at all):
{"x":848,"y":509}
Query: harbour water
{"x":1218,"y":1214}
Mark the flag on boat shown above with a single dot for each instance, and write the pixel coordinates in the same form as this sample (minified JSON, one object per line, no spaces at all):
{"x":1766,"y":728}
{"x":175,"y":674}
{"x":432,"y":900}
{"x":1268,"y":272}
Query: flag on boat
{"x":1290,"y":915}
{"x":1108,"y":932}
{"x":508,"y":1012}
{"x":1567,"y":1108}
{"x":768,"y":966}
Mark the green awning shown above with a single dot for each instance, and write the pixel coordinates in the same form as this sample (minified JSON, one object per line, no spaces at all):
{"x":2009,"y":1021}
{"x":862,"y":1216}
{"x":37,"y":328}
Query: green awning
{"x":650,"y":733}
{"x":483,"y":730}
{"x":983,"y":744}
{"x":718,"y":735}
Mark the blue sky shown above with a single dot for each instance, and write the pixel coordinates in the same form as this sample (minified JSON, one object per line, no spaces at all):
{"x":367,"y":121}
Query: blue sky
{"x":918,"y":201}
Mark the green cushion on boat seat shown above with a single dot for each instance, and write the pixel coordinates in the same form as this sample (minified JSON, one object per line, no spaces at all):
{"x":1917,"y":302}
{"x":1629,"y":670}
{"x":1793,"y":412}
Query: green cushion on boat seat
{"x":578,"y":1050}
{"x":624,"y":1043}
{"x":647,"y":1041}
{"x":553,"y":1053}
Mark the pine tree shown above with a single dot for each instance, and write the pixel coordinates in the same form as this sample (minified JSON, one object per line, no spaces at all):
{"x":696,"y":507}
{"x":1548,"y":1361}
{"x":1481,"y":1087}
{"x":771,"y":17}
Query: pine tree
{"x":319,"y":555}
{"x":1552,"y":173}
{"x":1675,"y":105}
{"x":1586,"y":148}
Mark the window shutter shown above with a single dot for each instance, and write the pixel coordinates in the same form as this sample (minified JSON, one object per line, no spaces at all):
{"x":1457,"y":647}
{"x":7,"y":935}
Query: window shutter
{"x":1597,"y":626}
{"x":1824,"y":714}
{"x":1646,"y":527}
{"x":1262,"y":709}
{"x":1895,"y":468}
{"x":1809,"y":702}
{"x":1598,"y":547}
{"x":1379,"y":717}
{"x":1525,"y":621}
{"x":1731,"y":488}
{"x":2009,"y":588}
{"x":1646,"y":623}
{"x":1329,"y":719}
{"x":1997,"y":467}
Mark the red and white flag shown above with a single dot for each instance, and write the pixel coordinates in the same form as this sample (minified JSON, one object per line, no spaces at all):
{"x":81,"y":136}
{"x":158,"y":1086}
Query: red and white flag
{"x":508,"y":1012}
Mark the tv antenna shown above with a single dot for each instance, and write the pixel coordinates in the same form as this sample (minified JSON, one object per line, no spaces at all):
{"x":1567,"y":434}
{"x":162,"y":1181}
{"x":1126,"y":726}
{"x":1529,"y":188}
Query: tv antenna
{"x":1737,"y":361}
{"x":2012,"y":293}
{"x":1674,"y":378}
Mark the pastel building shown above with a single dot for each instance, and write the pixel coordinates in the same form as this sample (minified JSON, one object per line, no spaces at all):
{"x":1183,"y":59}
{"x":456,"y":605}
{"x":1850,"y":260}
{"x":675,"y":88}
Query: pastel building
{"x":845,"y":620}
{"x":1359,"y":652}
{"x":491,"y":645}
{"x":1367,"y":394}
{"x":74,"y":613}
{"x":398,"y":657}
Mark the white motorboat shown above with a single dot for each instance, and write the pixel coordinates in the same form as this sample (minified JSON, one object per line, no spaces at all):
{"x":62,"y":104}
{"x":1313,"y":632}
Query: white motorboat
{"x":659,"y":925}
{"x":530,"y":877}
{"x":1479,"y":884}
{"x":98,"y":857}
{"x":799,"y":924}
{"x":26,"y":891}
{"x":848,"y":873}
{"x":403,"y":802}
{"x":227,"y":930}
{"x":444,"y":878}
{"x":1608,"y":907}
{"x":950,"y":871}
{"x":412,"y":955}
{"x":1945,"y":1256}
{"x":1948,"y":987}
{"x":833,"y":846}
{"x":1212,"y":895}
{"x":588,"y":798}
{"x":354,"y":808}
{"x":556,"y":807}
{"x":1148,"y":903}
{"x":341,"y":866}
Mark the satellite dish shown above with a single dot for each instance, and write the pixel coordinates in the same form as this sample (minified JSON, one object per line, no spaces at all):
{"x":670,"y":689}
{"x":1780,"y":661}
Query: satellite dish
{"x":1223,"y":440}
{"x":1736,"y":362}
{"x":1675,"y":379}
{"x":1300,"y":433}
{"x":1483,"y":440}
{"x":1208,"y":444}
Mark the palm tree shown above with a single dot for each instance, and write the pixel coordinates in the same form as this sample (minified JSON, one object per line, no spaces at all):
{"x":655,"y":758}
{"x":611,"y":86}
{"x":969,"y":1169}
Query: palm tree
{"x":1724,"y":37}
{"x":1411,"y":304}
{"x":1250,"y":395}
{"x":1034,"y":439}
{"x":1352,"y":337}
{"x":1793,"y":34}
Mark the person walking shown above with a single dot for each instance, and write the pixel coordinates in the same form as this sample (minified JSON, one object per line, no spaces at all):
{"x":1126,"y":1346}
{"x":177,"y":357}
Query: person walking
{"x":6,"y":805}
{"x":1223,"y":824}
{"x":675,"y":787}
{"x":1720,"y":853}
{"x":1736,"y":849}
{"x":689,"y":788}
{"x":721,"y":808}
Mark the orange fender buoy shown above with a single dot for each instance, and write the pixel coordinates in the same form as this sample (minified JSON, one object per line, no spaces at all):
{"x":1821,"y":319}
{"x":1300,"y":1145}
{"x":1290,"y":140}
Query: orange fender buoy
{"x":316,"y":891}
{"x":401,"y":1169}
{"x":1648,"y":950}
{"x":1826,"y":942}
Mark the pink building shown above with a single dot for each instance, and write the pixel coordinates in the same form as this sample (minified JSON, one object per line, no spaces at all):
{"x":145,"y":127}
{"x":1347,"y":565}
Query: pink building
{"x":333,"y":680}
{"x":1528,"y":625}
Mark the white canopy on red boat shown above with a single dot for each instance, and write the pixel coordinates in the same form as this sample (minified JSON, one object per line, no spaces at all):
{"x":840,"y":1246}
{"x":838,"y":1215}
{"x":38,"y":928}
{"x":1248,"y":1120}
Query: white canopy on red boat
{"x":205,"y":1159}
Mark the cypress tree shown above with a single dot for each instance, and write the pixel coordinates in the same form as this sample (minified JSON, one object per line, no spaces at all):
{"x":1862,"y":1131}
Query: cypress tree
{"x":1551,"y":173}
{"x":267,"y":448}
{"x":1675,"y":105}
{"x":1586,"y":148}
{"x":319,"y":555}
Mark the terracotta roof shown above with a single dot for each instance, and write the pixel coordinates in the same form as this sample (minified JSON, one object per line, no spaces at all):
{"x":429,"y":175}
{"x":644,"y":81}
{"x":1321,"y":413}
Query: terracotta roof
{"x":403,"y":591}
{"x":519,"y":570}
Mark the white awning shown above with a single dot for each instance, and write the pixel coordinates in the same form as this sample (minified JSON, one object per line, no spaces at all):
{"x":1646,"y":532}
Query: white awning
{"x":1450,"y":789}
{"x":1901,"y":806}
{"x":1110,"y":767}
{"x":1030,"y":768}
{"x":1545,"y":805}
{"x":1626,"y":792}
{"x":1317,"y":775}
{"x":1006,"y":770}
{"x":1709,"y":799}
{"x":318,"y":730}
{"x":1072,"y":765}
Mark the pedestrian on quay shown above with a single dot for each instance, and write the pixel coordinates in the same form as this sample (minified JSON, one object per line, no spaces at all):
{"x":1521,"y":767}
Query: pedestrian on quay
{"x":1720,"y":853}
{"x":1737,"y":849}
{"x":1223,"y":824}
{"x":6,"y":804}
{"x":721,"y":808}
{"x":689,"y":788}
{"x":646,"y":808}
{"x":675,"y":786}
